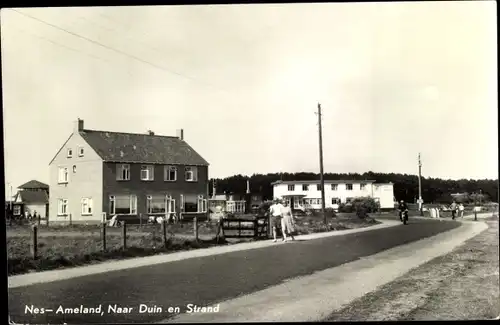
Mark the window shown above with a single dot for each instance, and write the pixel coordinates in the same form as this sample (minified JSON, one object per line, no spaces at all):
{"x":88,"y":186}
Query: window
{"x":190,"y":203}
{"x":348,"y":187}
{"x":122,"y":172}
{"x":335,"y":187}
{"x":170,"y":173}
{"x":70,"y":153}
{"x":156,"y":204}
{"x":63,"y":175}
{"x":62,"y":207}
{"x":74,"y":169}
{"x":17,"y":210}
{"x":202,"y":204}
{"x":122,"y":204}
{"x":362,"y":186}
{"x":348,"y":200}
{"x":335,"y":200}
{"x":147,"y":173}
{"x":191,"y":174}
{"x":86,"y":206}
{"x":305,"y":187}
{"x":291,"y":188}
{"x":318,"y":187}
{"x":81,"y":151}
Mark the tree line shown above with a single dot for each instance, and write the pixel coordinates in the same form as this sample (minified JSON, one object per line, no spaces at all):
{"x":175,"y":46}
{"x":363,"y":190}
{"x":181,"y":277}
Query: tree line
{"x":434,"y":190}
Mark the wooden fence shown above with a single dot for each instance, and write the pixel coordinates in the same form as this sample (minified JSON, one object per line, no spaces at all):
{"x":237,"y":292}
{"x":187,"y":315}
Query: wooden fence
{"x":257,"y":228}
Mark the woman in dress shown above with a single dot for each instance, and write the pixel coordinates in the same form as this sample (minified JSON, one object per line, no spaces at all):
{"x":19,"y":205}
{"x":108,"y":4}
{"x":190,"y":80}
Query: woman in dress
{"x":287,"y":222}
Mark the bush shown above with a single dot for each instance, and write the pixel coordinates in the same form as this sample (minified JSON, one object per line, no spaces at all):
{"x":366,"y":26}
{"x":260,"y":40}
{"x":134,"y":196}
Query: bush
{"x":346,"y":208}
{"x":364,"y":205}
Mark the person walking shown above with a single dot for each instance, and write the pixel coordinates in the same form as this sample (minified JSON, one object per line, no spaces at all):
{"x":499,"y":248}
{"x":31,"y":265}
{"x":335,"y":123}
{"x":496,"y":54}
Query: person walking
{"x":276,"y":216}
{"x":453,"y":208}
{"x":287,"y":222}
{"x":461,"y":209}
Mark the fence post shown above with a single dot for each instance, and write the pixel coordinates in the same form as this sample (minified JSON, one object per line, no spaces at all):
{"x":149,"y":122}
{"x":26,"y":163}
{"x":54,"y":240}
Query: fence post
{"x":475,"y":215}
{"x":70,"y":219}
{"x":140,"y":220}
{"x":195,"y":226}
{"x":256,"y":228}
{"x":239,"y":228}
{"x":103,"y":236}
{"x":39,"y":217}
{"x":124,"y":235}
{"x":34,"y":243}
{"x":164,"y":230}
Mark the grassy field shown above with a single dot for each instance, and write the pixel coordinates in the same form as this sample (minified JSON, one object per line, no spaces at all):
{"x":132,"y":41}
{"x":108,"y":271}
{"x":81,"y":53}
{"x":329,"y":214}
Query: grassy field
{"x":69,"y":246}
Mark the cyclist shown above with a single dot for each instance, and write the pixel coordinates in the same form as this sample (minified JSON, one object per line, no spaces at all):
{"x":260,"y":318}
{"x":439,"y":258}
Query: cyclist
{"x":402,"y":208}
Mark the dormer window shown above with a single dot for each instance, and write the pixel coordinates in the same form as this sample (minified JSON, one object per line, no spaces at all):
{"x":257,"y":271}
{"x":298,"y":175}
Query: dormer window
{"x":70,"y":153}
{"x":80,"y":151}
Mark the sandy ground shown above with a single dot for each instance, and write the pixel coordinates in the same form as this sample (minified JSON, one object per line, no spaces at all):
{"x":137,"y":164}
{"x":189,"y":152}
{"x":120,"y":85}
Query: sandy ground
{"x":461,"y":285}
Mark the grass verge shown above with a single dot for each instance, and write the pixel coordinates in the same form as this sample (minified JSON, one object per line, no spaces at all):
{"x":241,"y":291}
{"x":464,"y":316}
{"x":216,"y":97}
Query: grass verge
{"x":78,"y":245}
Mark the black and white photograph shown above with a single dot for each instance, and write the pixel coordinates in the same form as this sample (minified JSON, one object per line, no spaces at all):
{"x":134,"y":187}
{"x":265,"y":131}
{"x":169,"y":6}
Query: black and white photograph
{"x":259,"y":162}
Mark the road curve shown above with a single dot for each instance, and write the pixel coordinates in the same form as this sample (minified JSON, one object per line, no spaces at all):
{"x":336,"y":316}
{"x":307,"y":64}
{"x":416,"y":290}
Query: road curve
{"x":204,"y":280}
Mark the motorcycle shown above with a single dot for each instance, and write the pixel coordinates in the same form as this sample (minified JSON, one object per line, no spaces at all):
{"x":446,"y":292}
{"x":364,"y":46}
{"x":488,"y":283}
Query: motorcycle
{"x":405,"y":217}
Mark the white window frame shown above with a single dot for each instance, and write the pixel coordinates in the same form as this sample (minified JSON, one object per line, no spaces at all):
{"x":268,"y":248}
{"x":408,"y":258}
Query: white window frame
{"x":120,"y":170}
{"x":305,"y":187}
{"x":335,"y":187}
{"x":147,"y":173}
{"x":16,"y":210}
{"x":167,"y":169}
{"x":60,"y":204}
{"x":63,"y":175}
{"x":318,"y":187}
{"x":69,"y":153}
{"x":336,"y":200}
{"x":202,"y":204}
{"x":81,"y":151}
{"x":193,"y":171}
{"x":87,"y":206}
{"x":291,"y":187}
{"x":149,"y":199}
{"x":133,"y":204}
{"x":349,"y":187}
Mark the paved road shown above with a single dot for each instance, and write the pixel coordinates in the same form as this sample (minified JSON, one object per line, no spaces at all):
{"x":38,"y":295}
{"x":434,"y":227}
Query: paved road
{"x":205,"y":280}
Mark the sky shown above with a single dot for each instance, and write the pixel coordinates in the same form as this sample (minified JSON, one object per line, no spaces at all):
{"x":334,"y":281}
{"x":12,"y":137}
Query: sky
{"x":244,"y":82}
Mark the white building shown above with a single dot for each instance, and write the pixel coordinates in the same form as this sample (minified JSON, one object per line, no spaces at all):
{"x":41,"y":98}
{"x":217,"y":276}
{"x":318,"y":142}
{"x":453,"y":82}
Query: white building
{"x":307,"y":194}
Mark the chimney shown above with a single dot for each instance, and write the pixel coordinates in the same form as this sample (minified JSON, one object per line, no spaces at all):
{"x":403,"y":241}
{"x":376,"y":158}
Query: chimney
{"x":180,"y":134}
{"x":150,"y":132}
{"x":78,"y":126}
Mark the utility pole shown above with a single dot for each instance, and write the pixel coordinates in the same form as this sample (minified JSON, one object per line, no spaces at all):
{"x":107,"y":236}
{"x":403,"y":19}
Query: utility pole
{"x":420,"y":201}
{"x":322,"y":180}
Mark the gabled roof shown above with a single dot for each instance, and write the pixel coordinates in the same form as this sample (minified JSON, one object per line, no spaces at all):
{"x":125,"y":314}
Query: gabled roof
{"x":32,"y":197}
{"x":34,"y":184}
{"x":142,"y":148}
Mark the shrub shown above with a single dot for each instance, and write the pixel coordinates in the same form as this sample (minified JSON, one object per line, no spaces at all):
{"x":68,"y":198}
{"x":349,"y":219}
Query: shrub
{"x":346,"y":208}
{"x":364,"y":205}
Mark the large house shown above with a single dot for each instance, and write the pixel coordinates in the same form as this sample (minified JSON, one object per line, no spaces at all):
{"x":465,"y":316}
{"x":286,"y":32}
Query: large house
{"x":99,"y":174}
{"x":307,"y":194}
{"x":32,"y":197}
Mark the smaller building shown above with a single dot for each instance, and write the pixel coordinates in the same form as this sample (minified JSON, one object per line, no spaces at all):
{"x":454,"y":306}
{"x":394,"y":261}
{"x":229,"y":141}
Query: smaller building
{"x":32,"y":197}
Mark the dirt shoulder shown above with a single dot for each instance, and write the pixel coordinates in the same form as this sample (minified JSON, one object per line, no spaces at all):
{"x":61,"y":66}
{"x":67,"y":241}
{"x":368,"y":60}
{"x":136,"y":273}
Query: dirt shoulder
{"x":462,"y":285}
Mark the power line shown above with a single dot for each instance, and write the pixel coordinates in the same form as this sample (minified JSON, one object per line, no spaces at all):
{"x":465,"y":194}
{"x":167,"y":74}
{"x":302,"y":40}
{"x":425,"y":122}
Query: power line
{"x":113,"y":49}
{"x":66,"y":47}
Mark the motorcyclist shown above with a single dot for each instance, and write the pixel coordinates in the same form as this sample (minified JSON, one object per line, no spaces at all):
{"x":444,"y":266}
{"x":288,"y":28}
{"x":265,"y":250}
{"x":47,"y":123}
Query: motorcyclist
{"x":402,"y":208}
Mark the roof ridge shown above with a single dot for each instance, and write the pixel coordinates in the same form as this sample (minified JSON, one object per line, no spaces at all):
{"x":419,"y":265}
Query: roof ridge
{"x":131,"y":133}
